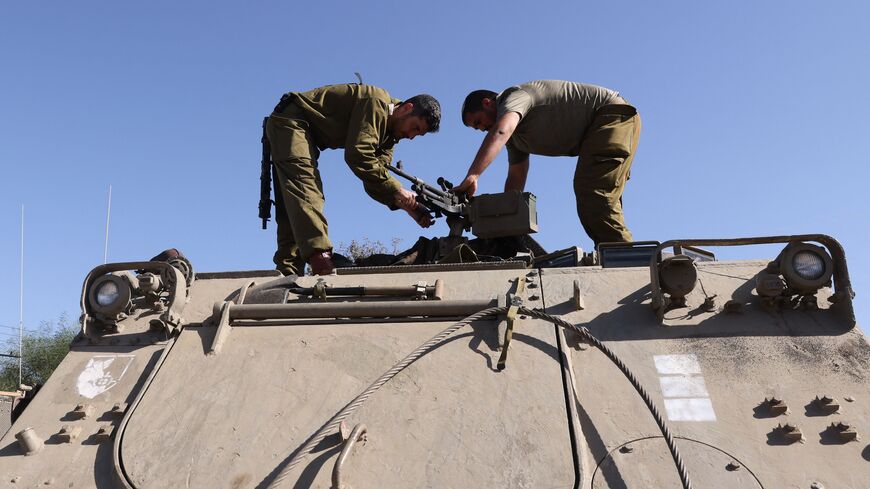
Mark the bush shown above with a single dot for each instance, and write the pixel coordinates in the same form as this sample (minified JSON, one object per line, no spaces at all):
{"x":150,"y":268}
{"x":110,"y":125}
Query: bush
{"x":364,"y":248}
{"x":42,"y":352}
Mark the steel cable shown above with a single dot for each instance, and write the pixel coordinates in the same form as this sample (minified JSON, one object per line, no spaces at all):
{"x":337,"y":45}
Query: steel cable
{"x":589,"y":338}
{"x":302,"y":452}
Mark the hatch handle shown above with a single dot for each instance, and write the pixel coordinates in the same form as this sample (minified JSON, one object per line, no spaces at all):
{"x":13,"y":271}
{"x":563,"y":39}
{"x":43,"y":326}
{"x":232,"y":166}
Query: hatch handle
{"x":358,"y":434}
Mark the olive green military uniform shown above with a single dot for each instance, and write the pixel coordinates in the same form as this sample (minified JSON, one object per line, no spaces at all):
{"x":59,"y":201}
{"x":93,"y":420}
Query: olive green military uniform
{"x":560,"y":118}
{"x":353,"y":117}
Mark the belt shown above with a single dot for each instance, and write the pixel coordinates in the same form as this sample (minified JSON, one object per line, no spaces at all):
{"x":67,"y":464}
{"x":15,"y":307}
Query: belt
{"x":618,"y":109}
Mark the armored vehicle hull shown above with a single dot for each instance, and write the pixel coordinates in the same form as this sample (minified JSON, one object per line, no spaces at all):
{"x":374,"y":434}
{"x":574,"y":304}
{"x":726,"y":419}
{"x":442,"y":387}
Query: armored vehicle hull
{"x":590,"y":376}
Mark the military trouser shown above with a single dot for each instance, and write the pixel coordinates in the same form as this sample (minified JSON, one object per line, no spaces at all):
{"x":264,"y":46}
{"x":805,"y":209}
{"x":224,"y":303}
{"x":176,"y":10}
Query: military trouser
{"x":302,"y":226}
{"x":603,"y":168}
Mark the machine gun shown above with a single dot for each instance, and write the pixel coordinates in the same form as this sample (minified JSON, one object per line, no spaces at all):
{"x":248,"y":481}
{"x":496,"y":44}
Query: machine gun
{"x":439,"y":201}
{"x":486,"y":215}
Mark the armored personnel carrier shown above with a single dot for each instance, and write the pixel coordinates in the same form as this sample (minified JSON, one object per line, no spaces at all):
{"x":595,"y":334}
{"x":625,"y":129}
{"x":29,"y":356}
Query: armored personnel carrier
{"x":640,"y":365}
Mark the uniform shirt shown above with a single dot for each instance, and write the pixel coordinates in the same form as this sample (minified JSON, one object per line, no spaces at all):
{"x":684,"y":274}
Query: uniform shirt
{"x":553,"y":114}
{"x":354,"y":117}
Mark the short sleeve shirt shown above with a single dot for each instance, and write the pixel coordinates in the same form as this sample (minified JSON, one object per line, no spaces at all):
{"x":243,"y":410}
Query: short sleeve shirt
{"x":553,"y":114}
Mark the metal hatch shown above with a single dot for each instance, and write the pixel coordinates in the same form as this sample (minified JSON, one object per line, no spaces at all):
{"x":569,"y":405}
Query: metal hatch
{"x":448,"y":420}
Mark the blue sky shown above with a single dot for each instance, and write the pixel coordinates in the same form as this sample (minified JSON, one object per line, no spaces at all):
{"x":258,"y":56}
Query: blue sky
{"x":755,"y":121}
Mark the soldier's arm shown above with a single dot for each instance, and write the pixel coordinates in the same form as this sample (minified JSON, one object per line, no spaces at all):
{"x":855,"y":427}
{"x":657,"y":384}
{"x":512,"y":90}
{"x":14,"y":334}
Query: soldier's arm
{"x":516,"y":177}
{"x":367,"y":123}
{"x":494,"y":141}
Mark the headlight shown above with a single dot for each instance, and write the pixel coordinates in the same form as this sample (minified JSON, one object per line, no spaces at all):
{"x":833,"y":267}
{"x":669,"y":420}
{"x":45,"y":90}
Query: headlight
{"x":806,"y":267}
{"x":677,"y":276}
{"x":109,"y":295}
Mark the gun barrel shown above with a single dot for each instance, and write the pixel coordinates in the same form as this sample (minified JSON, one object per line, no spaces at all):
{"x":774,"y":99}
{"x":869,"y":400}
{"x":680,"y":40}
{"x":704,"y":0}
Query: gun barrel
{"x":428,"y":192}
{"x":416,"y":181}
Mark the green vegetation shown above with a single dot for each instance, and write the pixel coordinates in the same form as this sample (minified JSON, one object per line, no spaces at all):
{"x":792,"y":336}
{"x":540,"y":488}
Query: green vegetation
{"x":42,"y":350}
{"x":364,"y":248}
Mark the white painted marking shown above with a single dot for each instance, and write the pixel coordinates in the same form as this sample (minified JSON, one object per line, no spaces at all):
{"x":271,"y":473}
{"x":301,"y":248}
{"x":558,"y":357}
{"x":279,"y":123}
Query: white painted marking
{"x":102,"y":373}
{"x":683,"y":386}
{"x":677,"y":364}
{"x":697,"y":409}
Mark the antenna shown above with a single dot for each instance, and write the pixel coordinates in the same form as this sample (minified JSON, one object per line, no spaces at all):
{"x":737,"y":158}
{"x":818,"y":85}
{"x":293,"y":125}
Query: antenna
{"x":21,"y":302}
{"x":108,"y":215}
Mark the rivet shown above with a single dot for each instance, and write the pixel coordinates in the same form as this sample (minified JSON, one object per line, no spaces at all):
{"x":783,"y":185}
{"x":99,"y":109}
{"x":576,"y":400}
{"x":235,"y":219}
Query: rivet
{"x":119,"y":409}
{"x":788,"y":432}
{"x":104,"y":434}
{"x":534,"y":297}
{"x":83,"y":411}
{"x":69,"y":433}
{"x":844,"y":431}
{"x":775,"y":406}
{"x":826,"y":404}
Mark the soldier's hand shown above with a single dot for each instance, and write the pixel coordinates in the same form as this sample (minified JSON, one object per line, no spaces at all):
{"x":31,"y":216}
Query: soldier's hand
{"x":467,"y":187}
{"x":405,"y":199}
{"x":421,"y":215}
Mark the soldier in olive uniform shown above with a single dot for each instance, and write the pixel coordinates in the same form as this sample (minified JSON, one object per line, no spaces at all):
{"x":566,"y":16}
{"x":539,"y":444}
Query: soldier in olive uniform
{"x":364,"y":120}
{"x":560,"y":118}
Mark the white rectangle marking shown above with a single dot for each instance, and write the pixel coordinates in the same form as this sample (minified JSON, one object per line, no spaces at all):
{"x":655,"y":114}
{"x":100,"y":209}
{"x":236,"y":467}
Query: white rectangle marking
{"x":690,"y":410}
{"x":677,"y":364}
{"x":683,"y":386}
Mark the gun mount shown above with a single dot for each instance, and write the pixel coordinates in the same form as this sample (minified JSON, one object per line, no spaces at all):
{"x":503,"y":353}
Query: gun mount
{"x":496,"y":215}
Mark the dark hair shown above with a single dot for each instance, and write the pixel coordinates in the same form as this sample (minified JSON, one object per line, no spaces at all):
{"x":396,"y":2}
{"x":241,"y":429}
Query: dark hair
{"x":474,"y":101}
{"x":427,"y":107}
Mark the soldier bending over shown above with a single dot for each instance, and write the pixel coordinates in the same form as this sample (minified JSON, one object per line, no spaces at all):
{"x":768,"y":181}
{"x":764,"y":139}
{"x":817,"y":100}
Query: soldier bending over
{"x":561,"y":118}
{"x":367,"y":123}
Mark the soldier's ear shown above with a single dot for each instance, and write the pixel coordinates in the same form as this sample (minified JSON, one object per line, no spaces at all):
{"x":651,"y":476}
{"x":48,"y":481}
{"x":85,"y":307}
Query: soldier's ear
{"x":487,"y":102}
{"x":403,"y":109}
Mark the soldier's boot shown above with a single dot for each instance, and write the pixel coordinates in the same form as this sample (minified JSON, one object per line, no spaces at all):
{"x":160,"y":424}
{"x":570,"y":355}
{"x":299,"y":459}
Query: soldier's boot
{"x":321,"y":263}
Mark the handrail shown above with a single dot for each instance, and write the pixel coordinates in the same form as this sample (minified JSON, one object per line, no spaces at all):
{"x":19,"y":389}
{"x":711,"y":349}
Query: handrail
{"x":227,"y":312}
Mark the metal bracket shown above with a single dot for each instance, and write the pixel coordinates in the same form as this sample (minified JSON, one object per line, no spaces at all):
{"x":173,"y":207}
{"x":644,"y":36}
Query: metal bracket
{"x":515,"y":303}
{"x":319,"y":291}
{"x":243,"y":293}
{"x":579,"y":303}
{"x":420,"y":290}
{"x":223,"y":329}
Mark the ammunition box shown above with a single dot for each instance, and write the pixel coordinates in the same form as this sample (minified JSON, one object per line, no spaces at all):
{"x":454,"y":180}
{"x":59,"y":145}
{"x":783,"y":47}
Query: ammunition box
{"x":504,"y":214}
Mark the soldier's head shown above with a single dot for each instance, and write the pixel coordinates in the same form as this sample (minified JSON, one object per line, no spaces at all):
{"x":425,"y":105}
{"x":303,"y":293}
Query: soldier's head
{"x":479,"y":110}
{"x":415,"y":117}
